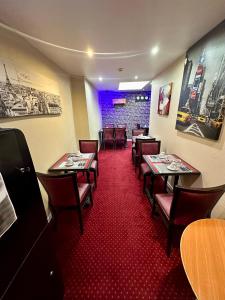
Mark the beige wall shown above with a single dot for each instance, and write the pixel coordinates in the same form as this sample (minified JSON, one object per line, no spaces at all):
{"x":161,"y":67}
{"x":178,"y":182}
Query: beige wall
{"x":206,"y":155}
{"x":48,"y":137}
{"x":80,"y":108}
{"x":93,"y":109}
{"x":86,"y":110}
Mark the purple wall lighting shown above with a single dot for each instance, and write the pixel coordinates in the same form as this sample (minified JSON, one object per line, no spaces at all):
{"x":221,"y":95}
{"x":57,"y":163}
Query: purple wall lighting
{"x":136,"y":110}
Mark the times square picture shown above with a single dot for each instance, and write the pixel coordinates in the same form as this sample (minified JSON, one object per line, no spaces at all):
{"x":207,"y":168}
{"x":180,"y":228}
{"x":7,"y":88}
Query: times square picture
{"x":19,"y":96}
{"x":201,"y":107}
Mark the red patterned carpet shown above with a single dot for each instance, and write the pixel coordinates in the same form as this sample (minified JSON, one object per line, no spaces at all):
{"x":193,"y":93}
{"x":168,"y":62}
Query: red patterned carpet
{"x":122,"y":252}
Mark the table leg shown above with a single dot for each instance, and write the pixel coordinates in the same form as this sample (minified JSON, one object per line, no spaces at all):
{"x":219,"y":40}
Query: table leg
{"x":88,"y":176}
{"x":175,"y":181}
{"x":165,"y":183}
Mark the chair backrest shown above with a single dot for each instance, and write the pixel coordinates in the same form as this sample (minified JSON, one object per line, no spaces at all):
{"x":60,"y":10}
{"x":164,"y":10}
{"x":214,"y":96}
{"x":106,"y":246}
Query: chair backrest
{"x":109,"y":126}
{"x":120,"y":133}
{"x":122,"y":125}
{"x":62,"y":189}
{"x":138,"y":126}
{"x":108,"y":133}
{"x":139,"y":142}
{"x":89,"y":146}
{"x":150,"y":147}
{"x":136,"y":132}
{"x":191,"y":204}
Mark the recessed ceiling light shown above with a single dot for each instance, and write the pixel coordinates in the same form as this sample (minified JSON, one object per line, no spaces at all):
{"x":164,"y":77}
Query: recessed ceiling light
{"x":155,"y":50}
{"x":135,"y":77}
{"x":90,"y":52}
{"x":132,"y":85}
{"x":100,"y":78}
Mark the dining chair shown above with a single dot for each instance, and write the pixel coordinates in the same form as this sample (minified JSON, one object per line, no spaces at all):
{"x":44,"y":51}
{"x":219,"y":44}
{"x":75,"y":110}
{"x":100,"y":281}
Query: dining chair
{"x":151,"y":147}
{"x":136,"y":132}
{"x":122,"y":125}
{"x":64,"y":192}
{"x":185,"y":206}
{"x":120,"y":136}
{"x":108,"y":136}
{"x":136,"y":151}
{"x":91,"y":146}
{"x":110,"y":125}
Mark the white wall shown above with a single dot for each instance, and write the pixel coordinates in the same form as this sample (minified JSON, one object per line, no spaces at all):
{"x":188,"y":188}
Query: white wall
{"x":94,"y":111}
{"x":208,"y":156}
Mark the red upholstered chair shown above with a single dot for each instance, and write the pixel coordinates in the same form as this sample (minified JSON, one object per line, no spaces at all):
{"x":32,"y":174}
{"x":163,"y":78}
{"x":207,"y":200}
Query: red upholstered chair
{"x":151,"y":147}
{"x":109,"y":125}
{"x":136,"y":132}
{"x":185,"y":206}
{"x":108,"y":136}
{"x":65,"y":193}
{"x":122,"y":125}
{"x":120,"y":136}
{"x":136,"y":152}
{"x":91,"y":146}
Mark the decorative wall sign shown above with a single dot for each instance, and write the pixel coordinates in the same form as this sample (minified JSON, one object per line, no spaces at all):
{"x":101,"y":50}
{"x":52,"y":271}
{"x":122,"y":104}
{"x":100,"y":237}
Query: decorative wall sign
{"x":202,"y":100}
{"x":25,"y":94}
{"x":164,"y":99}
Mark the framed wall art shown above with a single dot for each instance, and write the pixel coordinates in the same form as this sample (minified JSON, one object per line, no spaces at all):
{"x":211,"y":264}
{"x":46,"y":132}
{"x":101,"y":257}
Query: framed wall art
{"x":23,"y":93}
{"x":164,"y":99}
{"x":202,"y":99}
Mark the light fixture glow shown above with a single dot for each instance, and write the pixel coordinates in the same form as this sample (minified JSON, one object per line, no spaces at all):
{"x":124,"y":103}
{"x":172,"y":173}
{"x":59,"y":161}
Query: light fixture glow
{"x":155,"y":50}
{"x":100,"y":78}
{"x":90,"y":52}
{"x":135,"y":77}
{"x":132,"y":85}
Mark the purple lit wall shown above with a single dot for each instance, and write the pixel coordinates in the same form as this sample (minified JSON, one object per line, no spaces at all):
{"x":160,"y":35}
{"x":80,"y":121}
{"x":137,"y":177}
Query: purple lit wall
{"x":136,"y":110}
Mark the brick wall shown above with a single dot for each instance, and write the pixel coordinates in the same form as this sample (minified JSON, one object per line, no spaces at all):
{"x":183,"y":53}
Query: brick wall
{"x":133,"y":112}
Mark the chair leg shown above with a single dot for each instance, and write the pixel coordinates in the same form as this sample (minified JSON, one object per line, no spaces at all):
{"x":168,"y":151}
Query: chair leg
{"x":97,"y":169}
{"x":91,"y":197}
{"x":95,"y":178}
{"x":169,"y":240}
{"x":80,"y":220}
{"x":153,"y":207}
{"x":54,"y":216}
{"x":145,"y":182}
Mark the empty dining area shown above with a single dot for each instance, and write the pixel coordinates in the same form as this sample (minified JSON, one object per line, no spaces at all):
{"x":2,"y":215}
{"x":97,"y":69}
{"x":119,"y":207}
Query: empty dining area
{"x":112,"y":142}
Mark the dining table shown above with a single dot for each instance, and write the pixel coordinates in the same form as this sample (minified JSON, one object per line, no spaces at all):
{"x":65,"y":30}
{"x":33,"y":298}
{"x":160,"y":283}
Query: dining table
{"x":74,"y":162}
{"x":160,"y":166}
{"x":202,"y":250}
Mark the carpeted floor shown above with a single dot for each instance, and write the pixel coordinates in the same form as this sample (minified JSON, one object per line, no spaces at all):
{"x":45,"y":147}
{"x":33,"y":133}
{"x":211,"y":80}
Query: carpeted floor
{"x":122,"y":252}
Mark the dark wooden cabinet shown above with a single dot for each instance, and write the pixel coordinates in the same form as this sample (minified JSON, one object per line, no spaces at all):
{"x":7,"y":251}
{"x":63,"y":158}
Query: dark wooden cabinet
{"x":28,"y":269}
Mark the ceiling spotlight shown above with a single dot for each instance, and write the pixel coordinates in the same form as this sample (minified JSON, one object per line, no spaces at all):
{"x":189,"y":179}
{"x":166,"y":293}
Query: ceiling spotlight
{"x":90,"y":52}
{"x":135,"y":77}
{"x":100,"y":78}
{"x":155,"y":50}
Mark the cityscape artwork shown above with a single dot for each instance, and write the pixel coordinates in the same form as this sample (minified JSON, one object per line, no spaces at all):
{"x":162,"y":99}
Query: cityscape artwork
{"x":201,"y":107}
{"x":23,"y":93}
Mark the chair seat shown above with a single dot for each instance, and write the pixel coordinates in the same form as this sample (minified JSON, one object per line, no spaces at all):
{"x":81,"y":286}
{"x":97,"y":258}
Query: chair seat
{"x":145,"y":169}
{"x":165,"y":201}
{"x":94,"y":165}
{"x":83,"y":189}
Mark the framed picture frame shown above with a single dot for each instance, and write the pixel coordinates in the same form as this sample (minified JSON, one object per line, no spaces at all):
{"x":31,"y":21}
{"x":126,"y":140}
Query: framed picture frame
{"x":164,"y":99}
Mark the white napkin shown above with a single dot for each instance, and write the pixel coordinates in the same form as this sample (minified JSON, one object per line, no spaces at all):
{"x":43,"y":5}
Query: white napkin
{"x":7,"y":211}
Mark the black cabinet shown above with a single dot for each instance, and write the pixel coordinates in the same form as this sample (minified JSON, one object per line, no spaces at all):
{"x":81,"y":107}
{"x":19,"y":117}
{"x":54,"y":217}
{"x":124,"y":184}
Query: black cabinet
{"x":27,"y":266}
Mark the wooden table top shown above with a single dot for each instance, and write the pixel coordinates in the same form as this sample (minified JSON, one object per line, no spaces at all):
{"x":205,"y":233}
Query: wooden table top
{"x":203,"y":256}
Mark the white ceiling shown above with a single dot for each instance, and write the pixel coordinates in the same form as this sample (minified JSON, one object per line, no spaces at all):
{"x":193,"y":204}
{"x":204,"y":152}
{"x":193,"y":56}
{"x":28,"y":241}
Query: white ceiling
{"x":113,"y":26}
